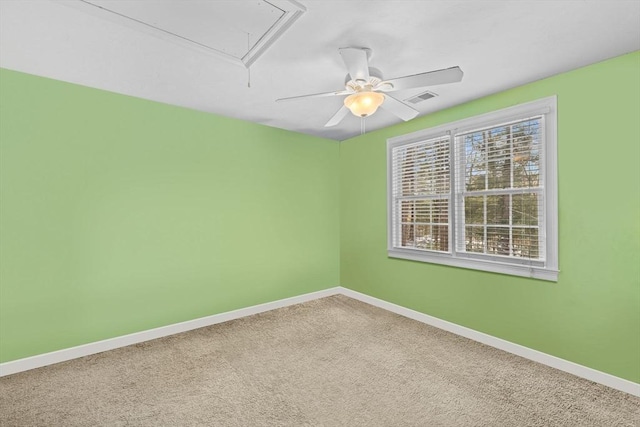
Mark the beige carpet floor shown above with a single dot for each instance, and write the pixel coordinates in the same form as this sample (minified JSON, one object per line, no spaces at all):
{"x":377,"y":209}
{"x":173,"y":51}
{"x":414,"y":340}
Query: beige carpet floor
{"x":329,"y":362}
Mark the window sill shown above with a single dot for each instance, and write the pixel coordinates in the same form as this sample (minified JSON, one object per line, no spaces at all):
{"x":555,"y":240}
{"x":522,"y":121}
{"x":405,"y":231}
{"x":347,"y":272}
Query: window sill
{"x":474,"y":264}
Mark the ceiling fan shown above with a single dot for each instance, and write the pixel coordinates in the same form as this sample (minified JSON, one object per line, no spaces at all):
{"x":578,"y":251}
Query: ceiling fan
{"x":367,"y":90}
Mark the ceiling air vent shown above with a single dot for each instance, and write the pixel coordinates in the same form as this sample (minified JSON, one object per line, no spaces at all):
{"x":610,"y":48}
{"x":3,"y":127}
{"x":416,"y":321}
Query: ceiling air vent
{"x":421,"y":97}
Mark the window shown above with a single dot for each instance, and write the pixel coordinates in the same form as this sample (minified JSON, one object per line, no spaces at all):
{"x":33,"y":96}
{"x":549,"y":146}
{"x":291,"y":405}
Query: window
{"x":478,"y":193}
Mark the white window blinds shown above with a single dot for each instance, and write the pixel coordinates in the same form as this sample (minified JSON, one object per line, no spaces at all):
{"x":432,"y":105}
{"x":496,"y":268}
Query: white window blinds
{"x":421,"y":191}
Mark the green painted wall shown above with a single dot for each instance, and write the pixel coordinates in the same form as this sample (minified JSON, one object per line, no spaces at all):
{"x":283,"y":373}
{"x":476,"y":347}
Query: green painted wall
{"x":119,"y":214}
{"x":591,"y":316}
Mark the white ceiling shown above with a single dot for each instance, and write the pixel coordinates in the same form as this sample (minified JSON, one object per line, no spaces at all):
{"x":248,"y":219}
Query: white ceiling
{"x":498,"y":44}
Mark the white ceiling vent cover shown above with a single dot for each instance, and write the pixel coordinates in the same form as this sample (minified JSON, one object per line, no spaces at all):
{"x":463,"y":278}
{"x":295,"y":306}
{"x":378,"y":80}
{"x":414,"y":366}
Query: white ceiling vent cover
{"x":421,"y":97}
{"x":239,"y":31}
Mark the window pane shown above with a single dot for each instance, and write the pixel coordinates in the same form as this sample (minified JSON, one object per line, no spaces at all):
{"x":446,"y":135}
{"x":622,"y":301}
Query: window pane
{"x":407,"y":211}
{"x":440,"y":235}
{"x":425,"y":211}
{"x":525,"y":209}
{"x":474,"y":239}
{"x":474,"y":210}
{"x":499,"y":173}
{"x":411,"y":210}
{"x":407,"y":235}
{"x":498,"y":240}
{"x":441,"y":211}
{"x":526,"y":153}
{"x":498,"y":146}
{"x":498,"y":209}
{"x":476,"y":164}
{"x":423,"y":237}
{"x":430,"y":237}
{"x":525,"y":242}
{"x":424,"y":169}
{"x":422,"y":210}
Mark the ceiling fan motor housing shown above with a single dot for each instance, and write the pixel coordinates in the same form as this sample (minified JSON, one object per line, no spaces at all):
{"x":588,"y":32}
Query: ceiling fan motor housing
{"x":375,"y":77}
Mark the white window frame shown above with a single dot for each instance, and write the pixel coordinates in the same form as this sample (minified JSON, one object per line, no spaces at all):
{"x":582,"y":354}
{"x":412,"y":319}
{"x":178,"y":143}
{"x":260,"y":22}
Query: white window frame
{"x":545,"y":270}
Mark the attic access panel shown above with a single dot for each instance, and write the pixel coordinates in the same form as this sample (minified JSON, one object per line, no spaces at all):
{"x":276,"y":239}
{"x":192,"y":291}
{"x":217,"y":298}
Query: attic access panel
{"x":236,"y":30}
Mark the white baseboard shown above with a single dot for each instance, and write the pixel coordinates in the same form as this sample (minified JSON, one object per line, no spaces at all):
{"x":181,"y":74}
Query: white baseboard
{"x":15,"y":366}
{"x":519,"y":350}
{"x":40,"y":360}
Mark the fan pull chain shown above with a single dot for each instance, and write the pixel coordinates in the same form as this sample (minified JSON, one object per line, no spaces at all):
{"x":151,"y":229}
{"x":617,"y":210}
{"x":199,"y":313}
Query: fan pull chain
{"x":362,"y":127}
{"x":248,"y":68}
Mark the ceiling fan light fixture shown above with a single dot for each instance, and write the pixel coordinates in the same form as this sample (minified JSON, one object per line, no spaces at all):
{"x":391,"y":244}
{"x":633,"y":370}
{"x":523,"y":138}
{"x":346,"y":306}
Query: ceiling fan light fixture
{"x":363,"y":104}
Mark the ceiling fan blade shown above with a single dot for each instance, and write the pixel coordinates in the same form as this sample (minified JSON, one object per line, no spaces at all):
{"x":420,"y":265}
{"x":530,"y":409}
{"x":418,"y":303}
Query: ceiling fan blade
{"x":431,"y":78}
{"x":317,"y":95}
{"x":337,"y":117}
{"x":398,"y":108}
{"x":356,"y":61}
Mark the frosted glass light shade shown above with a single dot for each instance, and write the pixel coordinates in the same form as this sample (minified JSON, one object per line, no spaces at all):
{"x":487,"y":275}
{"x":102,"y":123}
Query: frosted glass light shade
{"x":363,"y":104}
